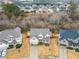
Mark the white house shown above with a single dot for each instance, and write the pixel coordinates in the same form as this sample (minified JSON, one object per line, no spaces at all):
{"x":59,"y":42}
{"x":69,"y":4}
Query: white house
{"x":7,"y":1}
{"x":39,"y":35}
{"x":9,"y":37}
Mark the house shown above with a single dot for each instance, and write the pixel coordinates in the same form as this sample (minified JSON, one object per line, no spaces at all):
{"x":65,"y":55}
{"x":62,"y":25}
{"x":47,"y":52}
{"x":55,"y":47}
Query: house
{"x":40,"y":34}
{"x":7,"y":1}
{"x":3,"y":48}
{"x":70,"y":38}
{"x":9,"y":37}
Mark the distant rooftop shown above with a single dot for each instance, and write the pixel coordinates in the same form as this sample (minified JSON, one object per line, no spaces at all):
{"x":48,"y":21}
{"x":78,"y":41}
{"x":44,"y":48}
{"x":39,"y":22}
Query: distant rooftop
{"x":66,"y":33}
{"x":49,"y":1}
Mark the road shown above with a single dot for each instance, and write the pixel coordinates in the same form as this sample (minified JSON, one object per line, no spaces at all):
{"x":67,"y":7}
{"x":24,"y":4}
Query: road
{"x":63,"y":53}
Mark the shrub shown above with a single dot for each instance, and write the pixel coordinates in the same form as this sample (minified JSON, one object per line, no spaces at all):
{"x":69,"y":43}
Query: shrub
{"x":77,"y":50}
{"x":40,"y":43}
{"x":46,"y":44}
{"x":18,"y":46}
{"x":11,"y":46}
{"x":70,"y":48}
{"x":4,"y":27}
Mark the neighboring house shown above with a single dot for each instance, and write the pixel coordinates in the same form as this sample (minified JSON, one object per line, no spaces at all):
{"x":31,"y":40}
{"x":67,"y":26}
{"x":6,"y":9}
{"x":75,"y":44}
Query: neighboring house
{"x":41,"y":35}
{"x":9,"y":37}
{"x":7,"y":1}
{"x":69,"y":38}
{"x":24,"y":6}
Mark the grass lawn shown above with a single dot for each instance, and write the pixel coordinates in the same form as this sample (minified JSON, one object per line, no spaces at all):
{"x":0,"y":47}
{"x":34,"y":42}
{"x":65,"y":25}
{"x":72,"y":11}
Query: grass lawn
{"x":72,"y":54}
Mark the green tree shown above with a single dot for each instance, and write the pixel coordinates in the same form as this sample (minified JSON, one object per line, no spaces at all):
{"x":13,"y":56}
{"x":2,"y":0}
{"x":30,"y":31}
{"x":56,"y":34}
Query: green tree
{"x":11,"y":9}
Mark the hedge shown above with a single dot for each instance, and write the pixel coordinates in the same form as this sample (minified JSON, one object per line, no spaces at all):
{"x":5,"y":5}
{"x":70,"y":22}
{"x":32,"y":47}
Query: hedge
{"x":18,"y":46}
{"x":70,"y":48}
{"x":46,"y":44}
{"x":77,"y":50}
{"x":11,"y":46}
{"x":40,"y":43}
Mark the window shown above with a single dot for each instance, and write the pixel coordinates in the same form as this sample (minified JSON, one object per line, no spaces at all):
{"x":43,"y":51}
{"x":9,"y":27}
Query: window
{"x":47,"y":36}
{"x":40,"y":36}
{"x":75,"y":41}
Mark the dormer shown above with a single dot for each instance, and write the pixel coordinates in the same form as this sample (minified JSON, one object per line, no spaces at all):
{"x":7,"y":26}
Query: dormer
{"x":40,"y":36}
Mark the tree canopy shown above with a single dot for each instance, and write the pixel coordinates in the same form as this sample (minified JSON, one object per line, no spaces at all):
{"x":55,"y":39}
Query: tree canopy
{"x":11,"y":9}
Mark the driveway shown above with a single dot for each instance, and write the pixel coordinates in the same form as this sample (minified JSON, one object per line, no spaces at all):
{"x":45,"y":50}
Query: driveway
{"x":33,"y":52}
{"x":2,"y":57}
{"x":63,"y":53}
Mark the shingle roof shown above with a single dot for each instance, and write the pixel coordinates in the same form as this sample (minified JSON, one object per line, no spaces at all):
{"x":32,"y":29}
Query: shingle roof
{"x":40,"y":32}
{"x":72,"y":36}
{"x":6,"y":34}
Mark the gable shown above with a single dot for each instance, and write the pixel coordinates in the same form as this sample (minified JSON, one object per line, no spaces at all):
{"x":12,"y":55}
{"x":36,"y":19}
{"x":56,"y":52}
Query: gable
{"x":40,"y":34}
{"x":72,"y":36}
